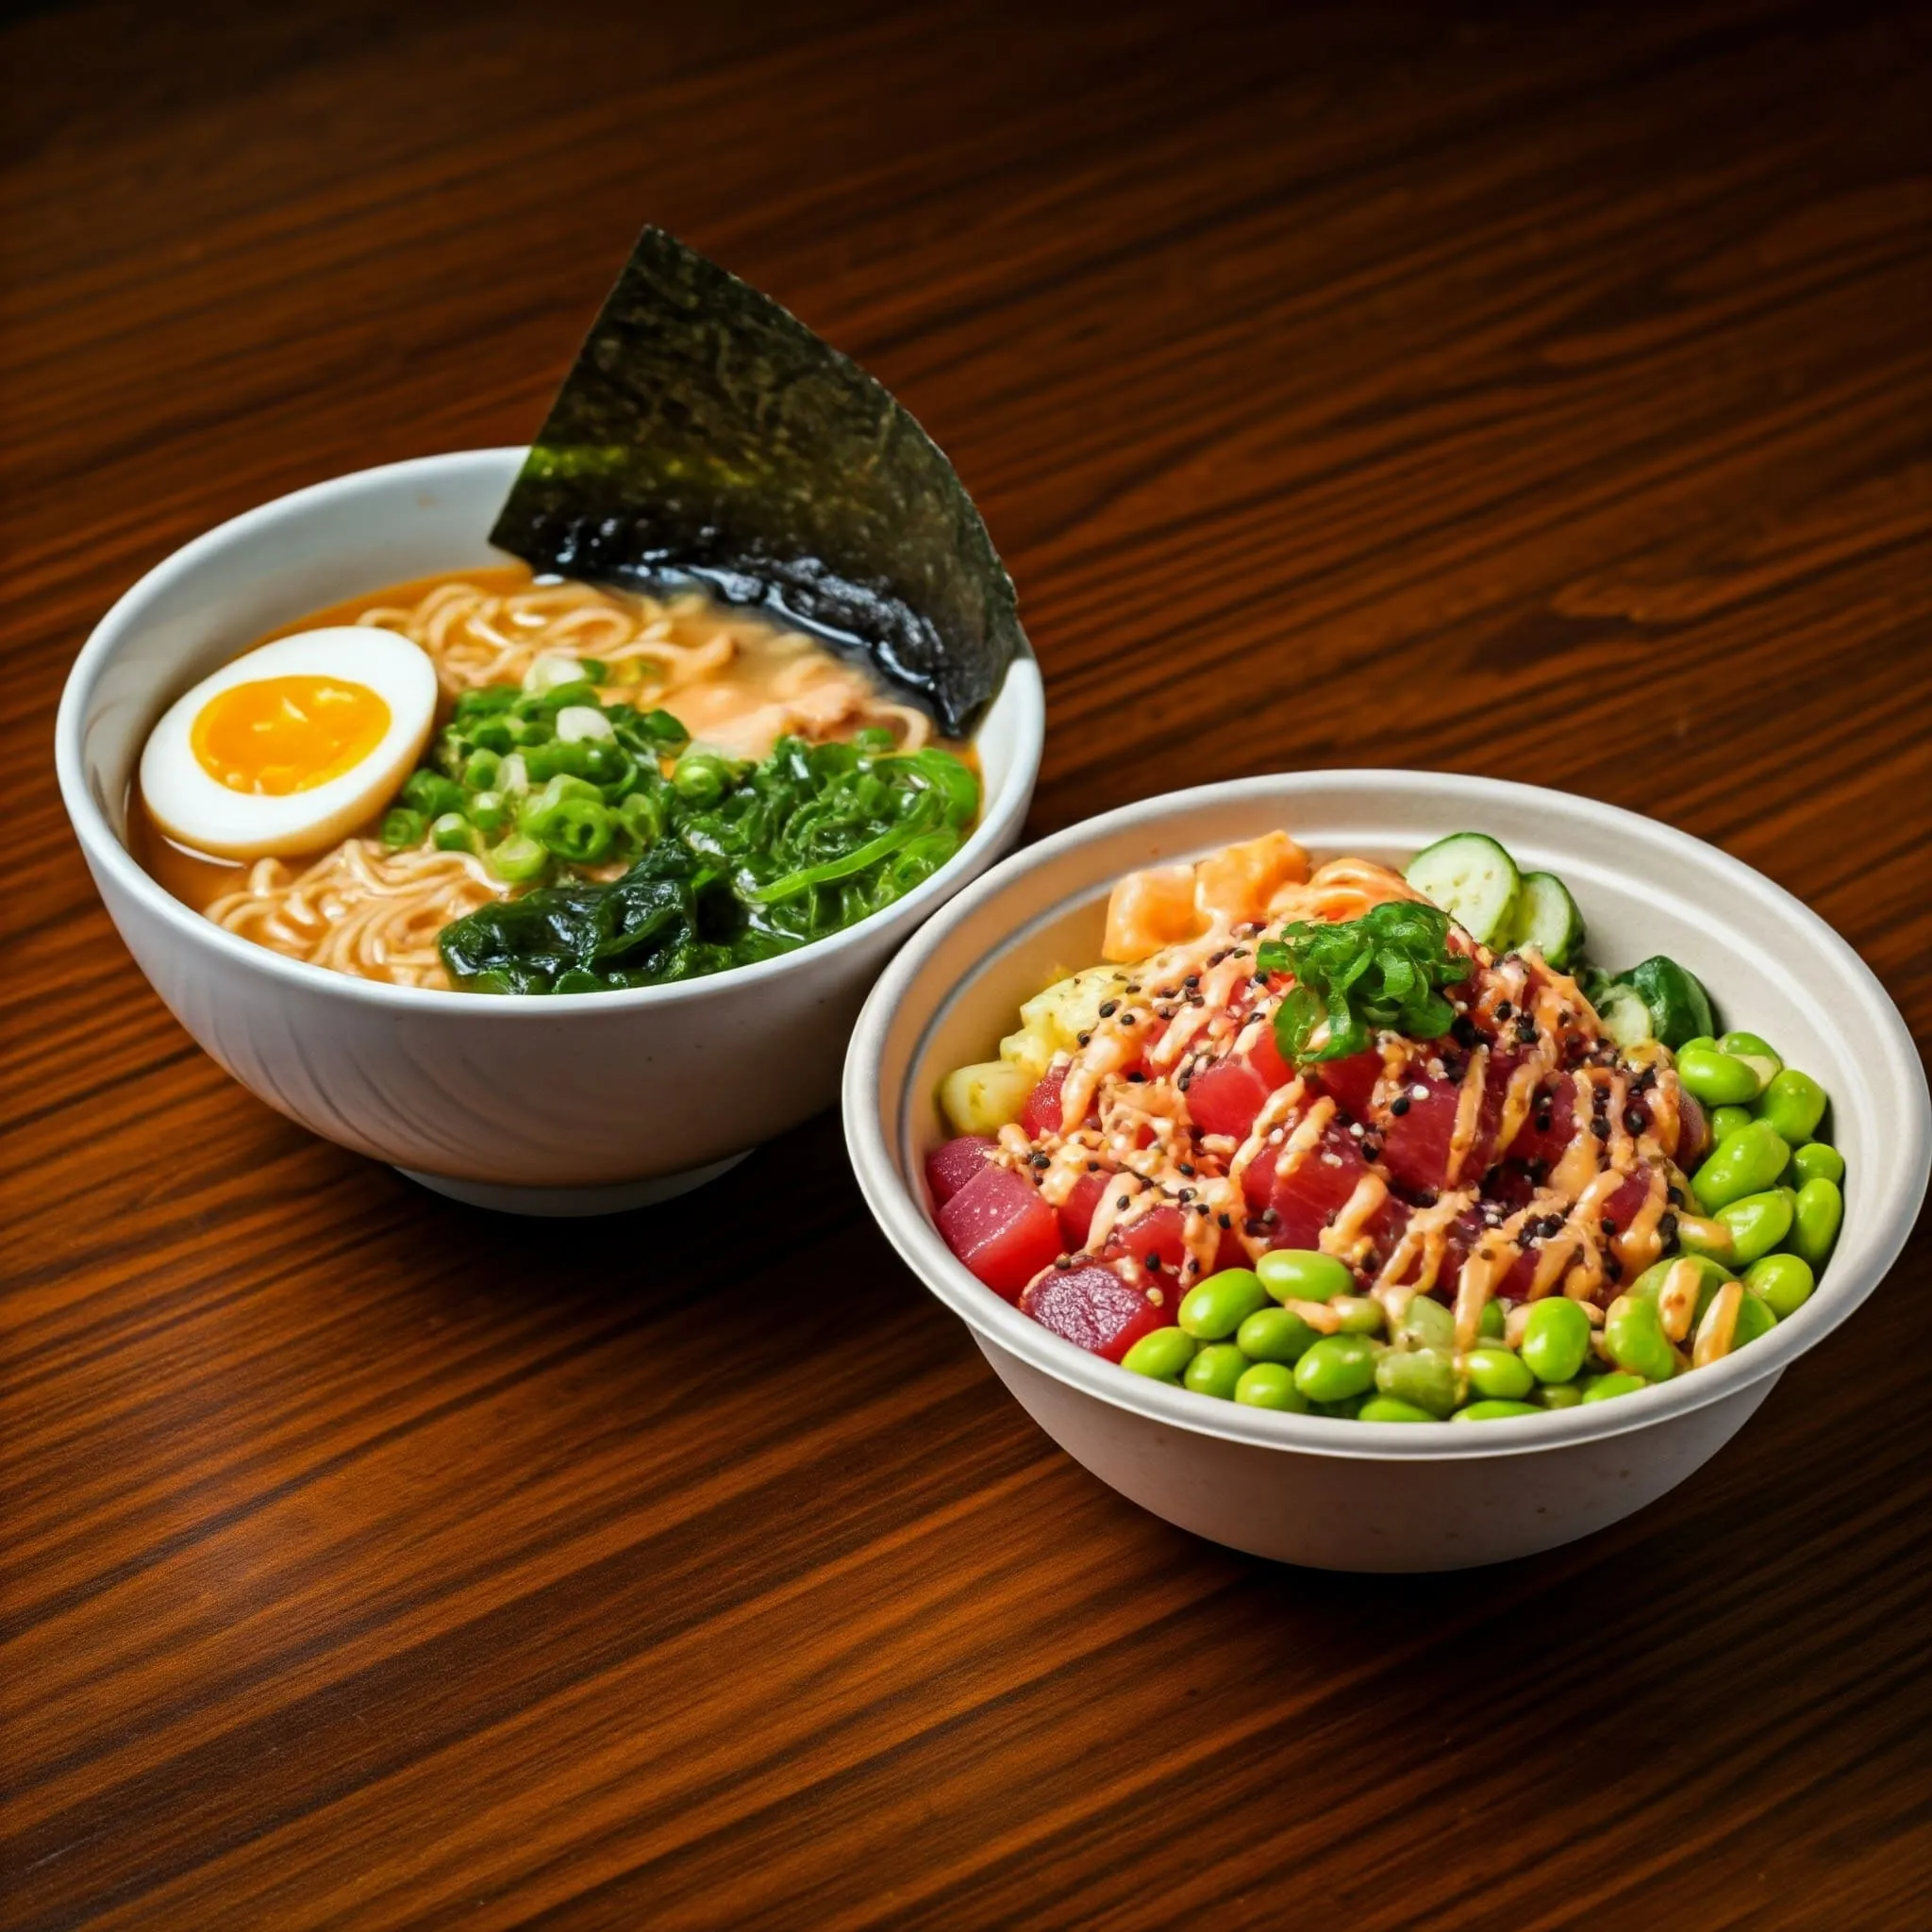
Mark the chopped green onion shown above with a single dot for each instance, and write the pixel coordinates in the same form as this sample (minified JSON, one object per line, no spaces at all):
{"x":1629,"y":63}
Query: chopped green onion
{"x":453,"y":832}
{"x":403,"y":827}
{"x":518,"y":860}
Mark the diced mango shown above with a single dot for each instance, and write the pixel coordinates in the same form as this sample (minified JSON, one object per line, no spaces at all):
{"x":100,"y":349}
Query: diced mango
{"x":981,"y":1099}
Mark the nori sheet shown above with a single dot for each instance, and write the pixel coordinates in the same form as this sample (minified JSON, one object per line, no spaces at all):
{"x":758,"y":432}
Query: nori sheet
{"x":706,"y":432}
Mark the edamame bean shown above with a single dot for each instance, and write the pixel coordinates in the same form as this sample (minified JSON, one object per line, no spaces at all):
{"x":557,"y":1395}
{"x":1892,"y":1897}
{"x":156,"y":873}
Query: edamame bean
{"x":1560,"y":1394}
{"x":1427,"y":1323}
{"x":1215,"y":1370}
{"x":1635,"y":1339}
{"x":1756,"y":1225}
{"x":1719,"y":1079}
{"x":1336,"y":1367}
{"x":1164,"y":1354}
{"x":1815,"y":1162}
{"x":1493,"y":1409}
{"x":1699,"y":1042}
{"x":1275,"y":1335}
{"x":1756,"y":1052}
{"x":1359,"y":1314}
{"x":1494,"y":1318}
{"x":1424,"y":1377}
{"x":1268,"y":1384}
{"x":1304,"y":1274}
{"x":1725,"y":1120}
{"x":1793,"y":1103}
{"x":1496,"y":1371}
{"x":1756,"y":1317}
{"x":1555,"y":1341}
{"x":1651,"y":1281}
{"x":1347,"y":1410}
{"x":1212,"y":1311}
{"x":1608,"y":1387}
{"x":1816,"y":1220}
{"x":1753,"y":1160}
{"x":1388,"y":1409}
{"x":1784,"y":1282}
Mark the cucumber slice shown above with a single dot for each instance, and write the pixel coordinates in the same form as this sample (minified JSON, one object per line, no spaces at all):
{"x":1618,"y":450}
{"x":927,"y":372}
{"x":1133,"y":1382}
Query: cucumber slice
{"x":1546,"y":918}
{"x":1679,"y":1006}
{"x":1473,"y":879}
{"x":1624,"y":1016}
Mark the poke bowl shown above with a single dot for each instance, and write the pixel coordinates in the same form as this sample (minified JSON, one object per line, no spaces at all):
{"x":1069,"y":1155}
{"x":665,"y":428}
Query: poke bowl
{"x":1194,"y":1111}
{"x":572,"y":1103}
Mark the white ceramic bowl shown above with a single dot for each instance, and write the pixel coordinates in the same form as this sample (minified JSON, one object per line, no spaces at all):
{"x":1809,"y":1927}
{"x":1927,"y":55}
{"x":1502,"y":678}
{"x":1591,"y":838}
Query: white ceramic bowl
{"x":1389,"y":1496}
{"x":580,"y":1103}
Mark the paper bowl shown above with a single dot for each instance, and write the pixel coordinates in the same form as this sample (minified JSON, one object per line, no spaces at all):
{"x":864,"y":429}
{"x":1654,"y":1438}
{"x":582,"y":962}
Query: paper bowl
{"x":573,"y":1104}
{"x":1390,"y":1496}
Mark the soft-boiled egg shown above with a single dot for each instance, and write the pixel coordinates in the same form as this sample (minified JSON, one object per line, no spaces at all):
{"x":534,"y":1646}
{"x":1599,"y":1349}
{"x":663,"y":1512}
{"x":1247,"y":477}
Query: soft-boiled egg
{"x":291,"y":747}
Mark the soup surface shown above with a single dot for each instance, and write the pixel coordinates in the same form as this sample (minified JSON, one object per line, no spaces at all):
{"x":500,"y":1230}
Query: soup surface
{"x":587,"y":744}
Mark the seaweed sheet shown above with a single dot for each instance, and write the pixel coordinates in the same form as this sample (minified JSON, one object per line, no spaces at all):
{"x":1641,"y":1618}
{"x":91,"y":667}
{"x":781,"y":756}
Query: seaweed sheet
{"x":705,"y":431}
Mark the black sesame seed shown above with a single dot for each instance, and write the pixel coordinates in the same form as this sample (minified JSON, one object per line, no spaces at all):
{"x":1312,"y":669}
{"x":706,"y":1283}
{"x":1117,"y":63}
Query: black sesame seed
{"x":1613,"y":1268}
{"x":1122,"y":1201}
{"x":1553,"y":1226}
{"x":1094,"y":1167}
{"x":1399,"y":1106}
{"x":1525,"y":1030}
{"x":1634,"y":1121}
{"x":1600,"y":1127}
{"x":1503,"y":1009}
{"x":1185,"y":1194}
{"x":1542,"y":1124}
{"x":1043,"y":1161}
{"x":1192,"y":979}
{"x":1371,"y":1150}
{"x":1109,"y":1007}
{"x":1152,"y":1264}
{"x":1609,"y":1228}
{"x":1084,"y":1039}
{"x":1127,"y":1019}
{"x":1675,"y":1195}
{"x":1137,"y":1076}
{"x":1225,"y":1220}
{"x":1186,"y":1169}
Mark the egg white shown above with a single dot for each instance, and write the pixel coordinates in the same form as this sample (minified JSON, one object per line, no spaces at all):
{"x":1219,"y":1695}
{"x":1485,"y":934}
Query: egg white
{"x":199,"y":812}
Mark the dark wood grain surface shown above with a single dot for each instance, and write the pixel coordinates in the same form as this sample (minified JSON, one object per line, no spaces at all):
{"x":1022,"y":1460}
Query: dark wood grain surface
{"x":1543,"y":392}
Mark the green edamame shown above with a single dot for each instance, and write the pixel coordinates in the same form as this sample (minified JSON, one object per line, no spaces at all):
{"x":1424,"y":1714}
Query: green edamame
{"x":1555,"y":1341}
{"x":1493,"y":1409}
{"x":1495,"y":1318}
{"x":1216,"y":1370}
{"x":1756,"y":1224}
{"x":1608,"y":1387}
{"x":1338,"y":1367}
{"x":1816,"y":1161}
{"x":1783,"y":1282}
{"x":1725,"y":1120}
{"x":1268,"y":1384}
{"x":1718,"y":1079}
{"x":1756,"y":1317}
{"x":1756,"y":1052}
{"x":1424,"y":1377}
{"x":1753,"y":1160}
{"x":1212,"y":1311}
{"x":1560,"y":1394}
{"x":1359,"y":1314}
{"x":1348,"y":1409}
{"x":1427,"y":1323}
{"x":1304,"y":1274}
{"x":1820,"y":1211}
{"x":1635,"y":1336}
{"x":1499,"y":1373}
{"x":1793,"y":1103}
{"x":1275,"y":1335}
{"x":1164,"y":1354}
{"x":1389,"y":1408}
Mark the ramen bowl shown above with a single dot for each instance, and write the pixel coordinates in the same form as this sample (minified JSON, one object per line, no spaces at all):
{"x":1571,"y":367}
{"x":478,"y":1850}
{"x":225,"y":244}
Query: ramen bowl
{"x":578,"y":1102}
{"x":1352,"y":1495}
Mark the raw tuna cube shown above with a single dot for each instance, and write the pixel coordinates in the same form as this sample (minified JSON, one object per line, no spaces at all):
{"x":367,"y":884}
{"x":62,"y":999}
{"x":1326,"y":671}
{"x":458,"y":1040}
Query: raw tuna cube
{"x":949,"y":1168}
{"x":1094,"y":1308}
{"x":999,"y":1225}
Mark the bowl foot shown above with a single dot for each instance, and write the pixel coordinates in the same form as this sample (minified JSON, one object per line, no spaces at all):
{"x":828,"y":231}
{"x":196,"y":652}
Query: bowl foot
{"x":619,"y":1197}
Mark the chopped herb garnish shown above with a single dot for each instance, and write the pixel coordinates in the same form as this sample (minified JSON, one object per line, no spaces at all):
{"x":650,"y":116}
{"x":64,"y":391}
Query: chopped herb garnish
{"x":1387,"y":969}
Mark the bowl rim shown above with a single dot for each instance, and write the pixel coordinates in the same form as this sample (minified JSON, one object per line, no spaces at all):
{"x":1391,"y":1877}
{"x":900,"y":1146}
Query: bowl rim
{"x":897,"y":1203}
{"x":1001,"y":812}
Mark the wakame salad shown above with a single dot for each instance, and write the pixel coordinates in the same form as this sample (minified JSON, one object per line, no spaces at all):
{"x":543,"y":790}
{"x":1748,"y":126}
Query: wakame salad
{"x":700,"y":862}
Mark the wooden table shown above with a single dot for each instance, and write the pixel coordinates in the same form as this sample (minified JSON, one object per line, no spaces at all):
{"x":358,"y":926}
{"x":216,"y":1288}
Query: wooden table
{"x":1534,"y":395}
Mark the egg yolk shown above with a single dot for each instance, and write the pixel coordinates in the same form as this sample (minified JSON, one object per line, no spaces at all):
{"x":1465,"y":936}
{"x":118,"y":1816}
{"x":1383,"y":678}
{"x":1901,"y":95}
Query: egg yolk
{"x":287,"y":734}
